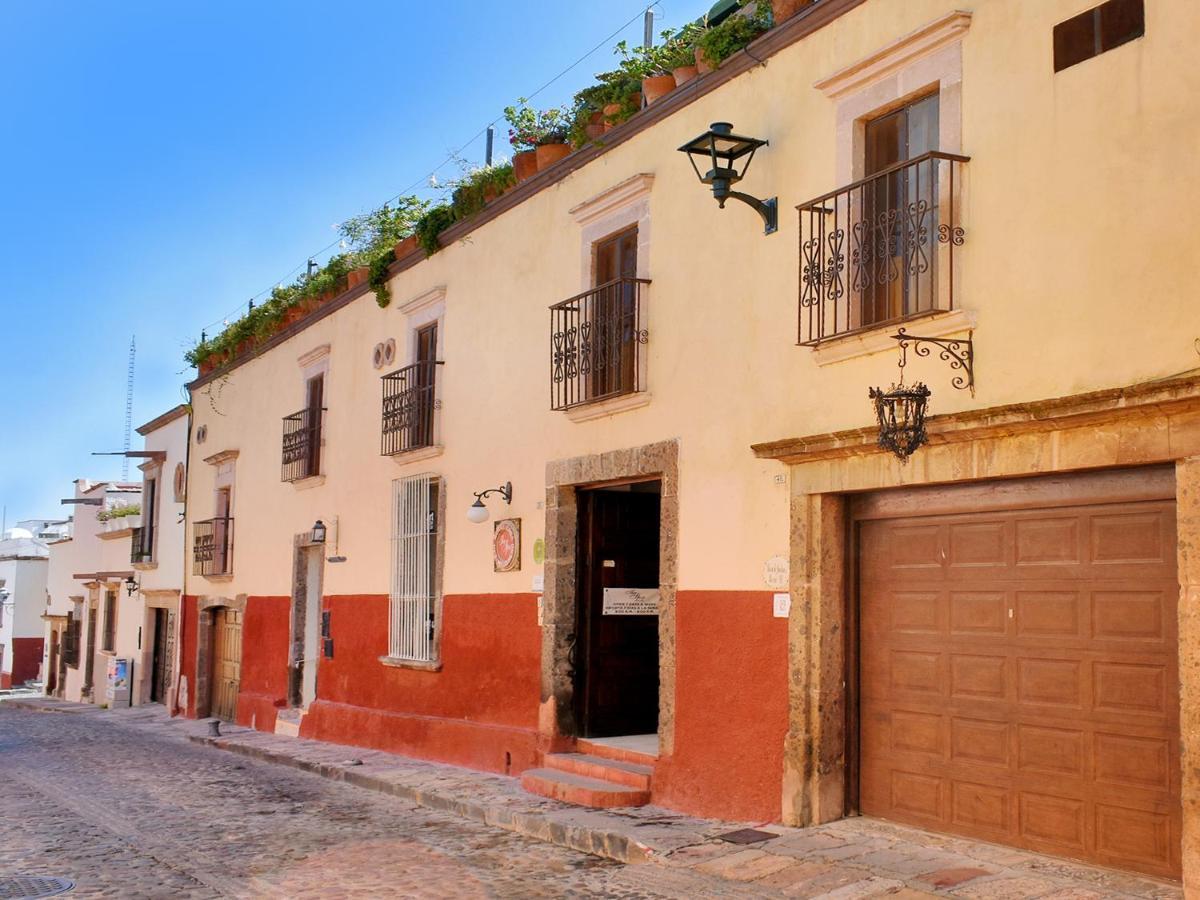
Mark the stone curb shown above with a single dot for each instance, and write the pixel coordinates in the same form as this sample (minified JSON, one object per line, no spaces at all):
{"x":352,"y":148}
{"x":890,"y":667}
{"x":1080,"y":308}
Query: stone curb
{"x":595,"y":841}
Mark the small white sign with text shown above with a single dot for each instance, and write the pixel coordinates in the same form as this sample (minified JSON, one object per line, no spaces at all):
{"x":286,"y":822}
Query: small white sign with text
{"x":630,"y":602}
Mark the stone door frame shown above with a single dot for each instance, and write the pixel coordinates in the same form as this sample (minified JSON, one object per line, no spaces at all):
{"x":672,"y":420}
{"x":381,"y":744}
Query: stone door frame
{"x":1146,"y":424}
{"x":564,"y":478}
{"x":303,"y":545}
{"x":206,"y":610}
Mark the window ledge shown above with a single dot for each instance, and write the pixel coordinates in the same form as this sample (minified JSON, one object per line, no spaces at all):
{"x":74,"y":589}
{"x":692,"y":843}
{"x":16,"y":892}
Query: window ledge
{"x":221,"y":578}
{"x":304,"y":484}
{"x":589,"y":411}
{"x":418,"y":455}
{"x":145,"y":566}
{"x":879,"y":340}
{"x":396,"y":663}
{"x":115,"y":534}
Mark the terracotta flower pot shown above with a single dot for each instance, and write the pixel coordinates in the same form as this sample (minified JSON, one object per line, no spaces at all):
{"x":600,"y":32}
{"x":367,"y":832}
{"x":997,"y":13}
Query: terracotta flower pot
{"x":208,"y":364}
{"x":655,"y":87}
{"x":684,"y":74}
{"x":781,"y":10}
{"x":595,"y":132}
{"x":702,"y":66}
{"x":610,"y":113}
{"x":358,"y":276}
{"x":635,"y":99}
{"x":405,"y":247}
{"x":490,"y":193}
{"x":525,"y":164}
{"x":293,"y":315}
{"x":549,"y":154}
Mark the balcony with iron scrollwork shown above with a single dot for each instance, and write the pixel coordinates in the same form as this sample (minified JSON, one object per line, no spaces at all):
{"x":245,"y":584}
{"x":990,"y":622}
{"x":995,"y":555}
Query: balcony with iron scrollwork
{"x":302,"y":444}
{"x":881,"y":250}
{"x":597,"y":341}
{"x":212,"y":546}
{"x":409,"y":405}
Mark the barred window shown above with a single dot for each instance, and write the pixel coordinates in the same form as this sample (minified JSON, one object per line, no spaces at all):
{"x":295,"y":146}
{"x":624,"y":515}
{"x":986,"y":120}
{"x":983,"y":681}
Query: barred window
{"x":416,"y":579}
{"x":71,"y":640}
{"x":109,"y":637}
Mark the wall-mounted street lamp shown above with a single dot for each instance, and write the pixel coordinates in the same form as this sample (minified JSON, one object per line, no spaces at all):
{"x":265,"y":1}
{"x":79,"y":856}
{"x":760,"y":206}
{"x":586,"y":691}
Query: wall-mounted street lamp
{"x":318,"y":532}
{"x":901,"y":410}
{"x":478,"y":513}
{"x":131,"y":585}
{"x":722,"y":153}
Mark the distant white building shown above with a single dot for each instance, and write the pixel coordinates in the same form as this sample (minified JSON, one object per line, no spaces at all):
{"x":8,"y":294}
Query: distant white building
{"x":23,"y":564}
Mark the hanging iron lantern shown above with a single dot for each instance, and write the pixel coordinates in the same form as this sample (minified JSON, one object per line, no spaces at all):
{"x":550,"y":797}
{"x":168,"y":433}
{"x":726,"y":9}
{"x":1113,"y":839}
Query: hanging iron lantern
{"x":901,"y":415}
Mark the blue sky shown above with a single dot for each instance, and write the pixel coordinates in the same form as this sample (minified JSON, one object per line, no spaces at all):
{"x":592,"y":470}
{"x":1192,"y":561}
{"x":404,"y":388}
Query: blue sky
{"x":163,"y":162}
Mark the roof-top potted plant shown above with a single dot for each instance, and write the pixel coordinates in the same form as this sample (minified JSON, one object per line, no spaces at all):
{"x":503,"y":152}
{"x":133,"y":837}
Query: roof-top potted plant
{"x":544,"y":132}
{"x":716,"y":44}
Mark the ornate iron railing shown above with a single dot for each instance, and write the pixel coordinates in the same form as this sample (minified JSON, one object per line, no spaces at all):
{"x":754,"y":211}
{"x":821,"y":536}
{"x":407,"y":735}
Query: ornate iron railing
{"x":881,"y":249}
{"x":409,"y":401}
{"x":212,"y":546}
{"x":141,"y":543}
{"x":302,"y":444}
{"x":596,"y":343}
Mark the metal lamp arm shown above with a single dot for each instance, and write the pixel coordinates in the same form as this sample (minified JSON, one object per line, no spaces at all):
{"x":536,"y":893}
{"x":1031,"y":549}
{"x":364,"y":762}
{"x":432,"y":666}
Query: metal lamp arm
{"x":768,"y":209}
{"x":505,"y":491}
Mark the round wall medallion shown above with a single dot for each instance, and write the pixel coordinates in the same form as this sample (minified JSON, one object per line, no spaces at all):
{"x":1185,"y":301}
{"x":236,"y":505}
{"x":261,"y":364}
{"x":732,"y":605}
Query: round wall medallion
{"x":389,"y":352}
{"x":201,"y":434}
{"x":377,"y":356}
{"x":180,"y":483}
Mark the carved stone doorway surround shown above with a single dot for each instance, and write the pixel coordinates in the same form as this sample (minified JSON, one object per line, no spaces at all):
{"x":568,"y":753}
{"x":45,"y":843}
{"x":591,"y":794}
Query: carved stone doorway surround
{"x":1143,"y":424}
{"x":206,"y":610}
{"x":556,"y":718}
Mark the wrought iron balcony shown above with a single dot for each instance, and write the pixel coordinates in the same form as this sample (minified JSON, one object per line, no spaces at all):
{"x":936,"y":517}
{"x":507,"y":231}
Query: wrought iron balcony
{"x":409,"y":401}
{"x":882,"y":249}
{"x":141,"y":544}
{"x":212,"y":546}
{"x":596,"y":343}
{"x":302,"y":444}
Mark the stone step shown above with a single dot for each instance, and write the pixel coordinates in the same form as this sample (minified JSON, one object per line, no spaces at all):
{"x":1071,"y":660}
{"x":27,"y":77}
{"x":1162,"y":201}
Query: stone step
{"x":634,"y":775}
{"x":287,"y":722}
{"x":620,"y":754}
{"x":580,"y":790}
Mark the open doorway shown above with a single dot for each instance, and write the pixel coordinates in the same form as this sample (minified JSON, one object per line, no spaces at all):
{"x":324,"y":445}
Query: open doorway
{"x":307,"y":594}
{"x":616,"y":643}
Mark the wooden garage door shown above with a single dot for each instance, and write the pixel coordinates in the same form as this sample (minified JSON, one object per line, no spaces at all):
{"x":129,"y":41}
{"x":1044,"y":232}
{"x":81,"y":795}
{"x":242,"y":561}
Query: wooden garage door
{"x":1018,"y":672}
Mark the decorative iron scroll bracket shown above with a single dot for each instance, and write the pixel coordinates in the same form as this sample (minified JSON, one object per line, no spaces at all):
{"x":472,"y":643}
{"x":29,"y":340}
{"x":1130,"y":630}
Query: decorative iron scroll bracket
{"x":958,"y":352}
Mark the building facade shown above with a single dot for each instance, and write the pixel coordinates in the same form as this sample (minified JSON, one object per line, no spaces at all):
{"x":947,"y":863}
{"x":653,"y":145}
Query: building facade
{"x":605,"y":472}
{"x":23,"y":565}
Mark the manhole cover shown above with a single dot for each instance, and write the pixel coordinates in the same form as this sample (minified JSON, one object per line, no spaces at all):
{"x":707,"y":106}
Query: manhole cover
{"x":747,"y":836}
{"x":26,"y":887}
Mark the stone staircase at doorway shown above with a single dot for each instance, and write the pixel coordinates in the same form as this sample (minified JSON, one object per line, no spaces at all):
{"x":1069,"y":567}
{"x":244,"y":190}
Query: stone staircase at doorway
{"x":601,"y":773}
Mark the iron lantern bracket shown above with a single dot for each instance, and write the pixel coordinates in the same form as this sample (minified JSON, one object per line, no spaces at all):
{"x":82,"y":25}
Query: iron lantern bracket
{"x":505,"y":491}
{"x":768,"y":209}
{"x":959,"y":352}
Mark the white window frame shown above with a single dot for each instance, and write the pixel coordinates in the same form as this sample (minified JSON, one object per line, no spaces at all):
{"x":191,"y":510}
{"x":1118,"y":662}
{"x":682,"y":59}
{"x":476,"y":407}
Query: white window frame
{"x":415,"y":596}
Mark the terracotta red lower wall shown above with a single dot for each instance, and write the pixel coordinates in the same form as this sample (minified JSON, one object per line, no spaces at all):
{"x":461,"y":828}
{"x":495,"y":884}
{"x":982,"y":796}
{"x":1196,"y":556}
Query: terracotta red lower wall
{"x":187,"y":656}
{"x":480,"y":710}
{"x":730,"y":708}
{"x":26,"y":658}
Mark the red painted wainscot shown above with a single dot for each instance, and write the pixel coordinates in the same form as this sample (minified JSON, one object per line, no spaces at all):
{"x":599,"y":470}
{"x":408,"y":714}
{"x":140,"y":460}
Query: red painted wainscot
{"x":266,"y":627}
{"x":730,"y":708}
{"x":480,"y":710}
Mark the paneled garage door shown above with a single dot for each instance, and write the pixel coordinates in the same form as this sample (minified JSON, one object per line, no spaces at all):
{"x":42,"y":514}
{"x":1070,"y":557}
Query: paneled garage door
{"x":1018,"y":664}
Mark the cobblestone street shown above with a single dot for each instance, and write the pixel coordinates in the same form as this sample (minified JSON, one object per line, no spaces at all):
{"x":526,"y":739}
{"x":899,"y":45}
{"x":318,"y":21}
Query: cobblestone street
{"x":128,"y":814}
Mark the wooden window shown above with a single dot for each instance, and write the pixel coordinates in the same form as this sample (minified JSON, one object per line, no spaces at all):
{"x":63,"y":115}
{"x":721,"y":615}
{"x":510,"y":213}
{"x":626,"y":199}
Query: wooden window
{"x":416,"y":580}
{"x":315,"y":390}
{"x":1098,"y":30}
{"x":614,"y":316}
{"x":145,"y":552}
{"x":109,"y":636}
{"x":70,"y":639}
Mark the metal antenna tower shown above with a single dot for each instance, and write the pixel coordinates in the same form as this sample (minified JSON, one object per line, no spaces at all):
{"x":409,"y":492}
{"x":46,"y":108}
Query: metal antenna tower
{"x":128,"y":408}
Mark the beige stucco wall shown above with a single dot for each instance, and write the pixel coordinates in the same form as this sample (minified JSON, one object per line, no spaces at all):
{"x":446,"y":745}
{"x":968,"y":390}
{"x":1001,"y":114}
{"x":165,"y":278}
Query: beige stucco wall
{"x":1079,"y":215}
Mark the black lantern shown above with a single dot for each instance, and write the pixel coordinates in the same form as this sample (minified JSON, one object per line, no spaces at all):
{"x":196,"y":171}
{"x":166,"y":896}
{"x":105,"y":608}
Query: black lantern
{"x":901,"y":415}
{"x":727,"y":156}
{"x":318,"y":532}
{"x":131,"y":586}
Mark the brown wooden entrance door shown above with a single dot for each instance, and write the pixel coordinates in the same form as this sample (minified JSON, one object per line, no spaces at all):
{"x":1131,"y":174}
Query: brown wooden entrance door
{"x":616,"y":656}
{"x":226,"y":662}
{"x":1018,"y":665}
{"x":161,"y":661}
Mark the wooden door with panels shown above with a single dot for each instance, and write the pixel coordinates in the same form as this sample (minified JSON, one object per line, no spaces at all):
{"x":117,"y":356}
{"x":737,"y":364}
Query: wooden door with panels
{"x":613,"y":316}
{"x":1018,"y":664}
{"x":226,"y":663}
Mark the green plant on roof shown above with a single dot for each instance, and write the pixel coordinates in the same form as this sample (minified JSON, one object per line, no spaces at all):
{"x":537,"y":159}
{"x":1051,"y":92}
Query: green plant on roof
{"x":720,"y":42}
{"x":119,"y":511}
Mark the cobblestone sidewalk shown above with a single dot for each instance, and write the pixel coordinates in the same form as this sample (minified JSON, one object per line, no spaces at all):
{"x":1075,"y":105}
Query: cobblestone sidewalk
{"x":848,"y":859}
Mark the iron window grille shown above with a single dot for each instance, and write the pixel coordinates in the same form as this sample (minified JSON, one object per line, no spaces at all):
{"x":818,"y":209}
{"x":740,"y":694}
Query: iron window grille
{"x":409,"y":401}
{"x":882,"y":249}
{"x":302,"y":443}
{"x":212,"y":546}
{"x":141,"y":542}
{"x":415,"y":568}
{"x":596,"y":341}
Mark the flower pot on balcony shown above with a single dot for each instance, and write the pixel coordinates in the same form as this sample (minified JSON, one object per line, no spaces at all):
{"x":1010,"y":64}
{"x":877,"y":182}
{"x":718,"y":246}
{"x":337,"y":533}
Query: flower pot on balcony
{"x":358,"y":276}
{"x":525,"y":164}
{"x":702,"y":65}
{"x":549,"y":154}
{"x":405,"y":247}
{"x":684,"y":74}
{"x":782,"y":10}
{"x":596,"y":125}
{"x":655,"y":87}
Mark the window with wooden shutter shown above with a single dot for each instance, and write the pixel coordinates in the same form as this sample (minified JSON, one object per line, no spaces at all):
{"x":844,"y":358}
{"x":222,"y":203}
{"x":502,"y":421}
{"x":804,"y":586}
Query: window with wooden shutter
{"x":109,"y":636}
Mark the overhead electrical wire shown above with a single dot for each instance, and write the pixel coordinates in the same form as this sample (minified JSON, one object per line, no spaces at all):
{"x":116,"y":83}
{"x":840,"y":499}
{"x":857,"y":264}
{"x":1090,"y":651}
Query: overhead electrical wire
{"x":427,"y":179}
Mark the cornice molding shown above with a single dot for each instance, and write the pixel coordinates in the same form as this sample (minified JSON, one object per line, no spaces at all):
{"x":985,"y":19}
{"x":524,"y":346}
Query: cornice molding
{"x":223,"y":456}
{"x":620,"y":195}
{"x":424,"y":300}
{"x":899,"y":53}
{"x":316,"y":354}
